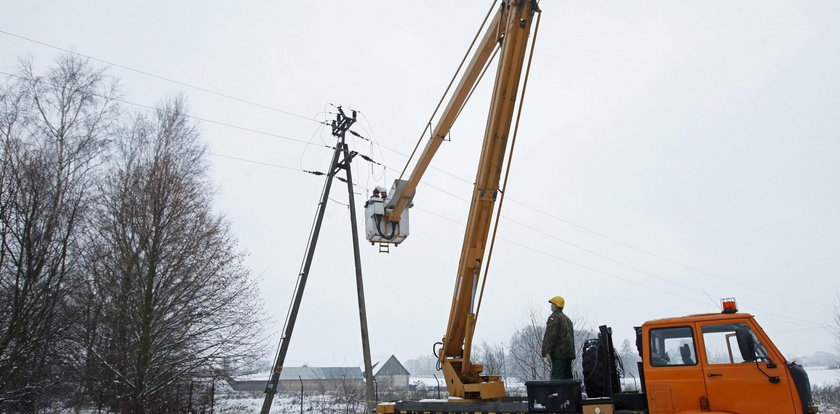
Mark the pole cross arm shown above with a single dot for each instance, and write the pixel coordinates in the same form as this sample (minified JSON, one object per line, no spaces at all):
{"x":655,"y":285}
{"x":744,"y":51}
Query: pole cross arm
{"x":342,"y":123}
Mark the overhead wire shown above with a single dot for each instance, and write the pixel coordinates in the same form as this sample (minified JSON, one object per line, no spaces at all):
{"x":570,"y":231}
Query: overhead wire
{"x":787,"y":318}
{"x":229,"y":125}
{"x":612,"y":239}
{"x":309,"y":142}
{"x":231,"y":97}
{"x":353,"y":136}
{"x":374,"y":140}
{"x":660,"y":257}
{"x":164,"y":78}
{"x":267,"y":164}
{"x":458,"y":197}
{"x":554,"y":256}
{"x":605,"y":257}
{"x":780,"y":315}
{"x":193,"y":117}
{"x":526,"y":205}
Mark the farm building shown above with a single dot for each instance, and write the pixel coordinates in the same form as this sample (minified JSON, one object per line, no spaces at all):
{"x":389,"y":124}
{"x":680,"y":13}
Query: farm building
{"x":392,"y":375}
{"x":312,"y":378}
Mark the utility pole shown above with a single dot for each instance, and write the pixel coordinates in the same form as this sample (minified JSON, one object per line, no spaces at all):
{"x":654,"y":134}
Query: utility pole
{"x":340,"y":125}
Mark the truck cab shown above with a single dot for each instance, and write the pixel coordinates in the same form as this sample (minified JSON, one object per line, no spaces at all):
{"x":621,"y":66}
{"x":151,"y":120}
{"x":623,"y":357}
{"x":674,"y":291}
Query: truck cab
{"x":718,"y":363}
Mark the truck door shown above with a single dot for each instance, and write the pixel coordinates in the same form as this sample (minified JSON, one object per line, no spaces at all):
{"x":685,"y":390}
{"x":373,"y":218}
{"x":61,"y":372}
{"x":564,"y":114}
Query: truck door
{"x":673,"y":376}
{"x":741,"y":376}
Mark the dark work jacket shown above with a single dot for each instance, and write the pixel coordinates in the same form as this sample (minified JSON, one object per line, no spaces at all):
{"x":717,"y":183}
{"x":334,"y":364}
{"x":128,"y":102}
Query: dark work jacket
{"x":559,"y":339}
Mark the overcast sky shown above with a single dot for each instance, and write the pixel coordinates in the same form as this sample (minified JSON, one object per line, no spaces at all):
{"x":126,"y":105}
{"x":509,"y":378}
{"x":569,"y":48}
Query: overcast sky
{"x":670,"y":154}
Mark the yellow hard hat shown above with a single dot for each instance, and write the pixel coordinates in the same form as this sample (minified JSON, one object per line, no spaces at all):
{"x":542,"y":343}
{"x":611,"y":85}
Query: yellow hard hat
{"x":558,"y":301}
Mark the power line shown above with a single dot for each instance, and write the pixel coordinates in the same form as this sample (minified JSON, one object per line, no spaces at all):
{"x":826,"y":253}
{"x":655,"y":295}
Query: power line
{"x":607,"y":237}
{"x":604,"y":236}
{"x":197,"y":118}
{"x":777,"y":315}
{"x":548,"y":214}
{"x":564,"y":259}
{"x":614,"y":276}
{"x":594,"y":253}
{"x":284,"y":167}
{"x":309,"y":142}
{"x":230,"y":157}
{"x":785,"y":318}
{"x":577,"y":246}
{"x":672,"y":261}
{"x":228,"y":125}
{"x":149,"y":74}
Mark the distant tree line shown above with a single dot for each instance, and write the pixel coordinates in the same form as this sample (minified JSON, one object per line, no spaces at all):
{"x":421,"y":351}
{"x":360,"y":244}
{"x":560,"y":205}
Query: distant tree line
{"x":120,"y":287}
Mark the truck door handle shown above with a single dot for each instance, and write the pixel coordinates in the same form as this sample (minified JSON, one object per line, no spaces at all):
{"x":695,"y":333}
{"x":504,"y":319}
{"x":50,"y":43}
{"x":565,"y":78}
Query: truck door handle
{"x":715,"y":375}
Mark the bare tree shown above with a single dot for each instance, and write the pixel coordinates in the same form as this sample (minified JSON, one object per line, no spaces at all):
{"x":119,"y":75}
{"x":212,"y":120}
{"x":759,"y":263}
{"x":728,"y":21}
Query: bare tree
{"x":836,"y":327}
{"x":493,"y":357}
{"x":527,"y":362}
{"x":349,"y":396}
{"x":172,"y":298}
{"x":53,"y":128}
{"x":525,"y":356}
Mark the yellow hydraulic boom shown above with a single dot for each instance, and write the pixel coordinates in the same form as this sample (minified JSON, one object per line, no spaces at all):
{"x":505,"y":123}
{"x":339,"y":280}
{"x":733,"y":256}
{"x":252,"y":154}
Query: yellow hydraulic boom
{"x":508,"y":31}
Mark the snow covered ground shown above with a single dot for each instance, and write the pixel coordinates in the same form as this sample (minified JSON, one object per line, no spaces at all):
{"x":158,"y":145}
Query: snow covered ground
{"x":823,"y":376}
{"x":232,"y":402}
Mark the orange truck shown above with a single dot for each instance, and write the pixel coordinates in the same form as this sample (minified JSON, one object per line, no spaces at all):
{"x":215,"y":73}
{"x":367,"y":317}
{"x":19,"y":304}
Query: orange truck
{"x":716,"y":363}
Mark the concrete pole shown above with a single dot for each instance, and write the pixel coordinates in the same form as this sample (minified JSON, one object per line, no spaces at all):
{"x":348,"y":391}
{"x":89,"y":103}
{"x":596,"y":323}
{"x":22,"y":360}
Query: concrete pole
{"x":370,"y":394}
{"x":271,"y":387}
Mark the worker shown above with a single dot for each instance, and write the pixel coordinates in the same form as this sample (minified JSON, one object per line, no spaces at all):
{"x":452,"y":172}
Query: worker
{"x":379,"y":192}
{"x":559,"y":340}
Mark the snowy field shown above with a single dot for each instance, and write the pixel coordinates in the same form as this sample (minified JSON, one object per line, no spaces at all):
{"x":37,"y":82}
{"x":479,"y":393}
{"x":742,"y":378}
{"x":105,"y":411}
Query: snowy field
{"x":820,"y":376}
{"x":228,"y":401}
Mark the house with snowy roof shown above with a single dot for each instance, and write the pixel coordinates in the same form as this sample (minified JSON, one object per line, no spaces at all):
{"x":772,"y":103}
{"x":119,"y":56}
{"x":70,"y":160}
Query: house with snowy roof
{"x":392,"y":375}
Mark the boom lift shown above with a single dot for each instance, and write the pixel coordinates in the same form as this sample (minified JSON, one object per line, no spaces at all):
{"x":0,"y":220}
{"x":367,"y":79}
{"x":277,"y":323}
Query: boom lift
{"x":387,"y":220}
{"x":711,"y":363}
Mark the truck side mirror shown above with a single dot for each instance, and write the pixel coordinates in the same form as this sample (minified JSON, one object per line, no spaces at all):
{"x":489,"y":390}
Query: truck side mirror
{"x":746,"y":344}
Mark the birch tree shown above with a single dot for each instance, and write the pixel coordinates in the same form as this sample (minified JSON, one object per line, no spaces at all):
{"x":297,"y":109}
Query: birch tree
{"x":53,"y":128}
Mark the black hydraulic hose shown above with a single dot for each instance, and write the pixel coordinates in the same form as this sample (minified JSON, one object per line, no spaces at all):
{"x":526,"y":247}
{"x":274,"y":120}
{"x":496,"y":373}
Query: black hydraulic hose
{"x":379,"y":228}
{"x":437,"y":357}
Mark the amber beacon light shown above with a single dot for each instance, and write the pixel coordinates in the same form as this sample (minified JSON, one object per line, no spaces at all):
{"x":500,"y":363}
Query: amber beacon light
{"x":729,"y":305}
